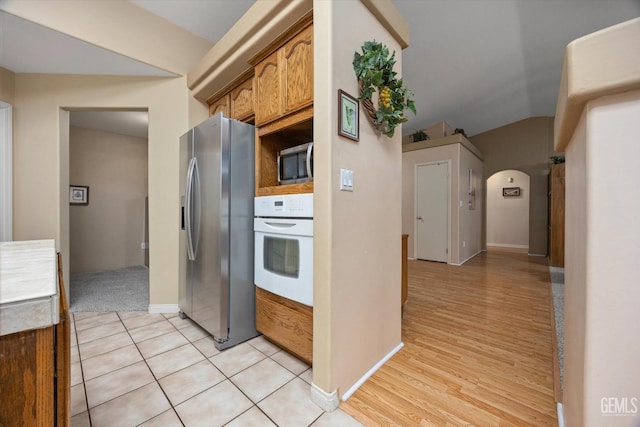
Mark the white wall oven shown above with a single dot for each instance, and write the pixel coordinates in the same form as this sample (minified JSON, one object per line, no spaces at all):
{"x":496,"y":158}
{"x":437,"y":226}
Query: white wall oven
{"x":283,"y":228}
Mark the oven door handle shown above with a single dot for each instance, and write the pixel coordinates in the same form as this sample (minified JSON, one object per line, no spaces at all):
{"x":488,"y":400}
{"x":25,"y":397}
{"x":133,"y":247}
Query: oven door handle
{"x":280,"y":225}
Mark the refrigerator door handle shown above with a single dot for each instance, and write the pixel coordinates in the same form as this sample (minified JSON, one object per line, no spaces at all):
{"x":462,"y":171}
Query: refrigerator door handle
{"x":188,"y":206}
{"x":198,"y":208}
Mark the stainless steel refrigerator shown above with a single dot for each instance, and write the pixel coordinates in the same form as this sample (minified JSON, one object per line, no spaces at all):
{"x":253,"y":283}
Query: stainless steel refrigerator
{"x":217,"y":190}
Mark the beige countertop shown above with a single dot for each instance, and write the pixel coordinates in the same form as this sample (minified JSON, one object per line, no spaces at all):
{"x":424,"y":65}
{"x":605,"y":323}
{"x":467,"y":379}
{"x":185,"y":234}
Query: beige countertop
{"x":28,"y":285}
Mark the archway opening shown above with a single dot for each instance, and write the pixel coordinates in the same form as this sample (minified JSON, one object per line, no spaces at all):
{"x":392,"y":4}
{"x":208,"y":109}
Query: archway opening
{"x":508,"y":194}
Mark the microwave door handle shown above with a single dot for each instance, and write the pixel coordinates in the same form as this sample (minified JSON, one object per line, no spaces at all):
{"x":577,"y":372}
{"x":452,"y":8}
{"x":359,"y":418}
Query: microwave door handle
{"x":279,"y":172}
{"x":309,"y":152}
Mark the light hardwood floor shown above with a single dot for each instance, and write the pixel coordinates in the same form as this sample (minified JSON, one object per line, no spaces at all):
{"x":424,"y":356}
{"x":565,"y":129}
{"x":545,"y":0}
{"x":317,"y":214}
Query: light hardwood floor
{"x":478,"y":348}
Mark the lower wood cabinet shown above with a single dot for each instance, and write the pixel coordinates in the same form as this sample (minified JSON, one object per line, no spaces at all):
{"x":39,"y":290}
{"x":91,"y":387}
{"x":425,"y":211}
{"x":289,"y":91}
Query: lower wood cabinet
{"x":27,"y":378}
{"x":33,"y":390}
{"x":556,"y":215}
{"x":404,"y":294}
{"x":286,"y":323}
{"x":35,"y":374}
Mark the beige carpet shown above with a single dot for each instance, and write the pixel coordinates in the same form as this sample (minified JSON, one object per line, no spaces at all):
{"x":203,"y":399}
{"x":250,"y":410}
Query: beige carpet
{"x":124,"y":289}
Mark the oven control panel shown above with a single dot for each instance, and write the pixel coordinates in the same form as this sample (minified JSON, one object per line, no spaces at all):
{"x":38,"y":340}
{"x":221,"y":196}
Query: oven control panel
{"x":284,"y":206}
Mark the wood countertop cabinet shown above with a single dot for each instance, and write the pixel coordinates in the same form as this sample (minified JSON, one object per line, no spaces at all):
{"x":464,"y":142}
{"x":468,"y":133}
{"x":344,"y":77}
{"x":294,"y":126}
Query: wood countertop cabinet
{"x":556,"y":215}
{"x":286,"y":323}
{"x":35,"y":373}
{"x":405,"y":271}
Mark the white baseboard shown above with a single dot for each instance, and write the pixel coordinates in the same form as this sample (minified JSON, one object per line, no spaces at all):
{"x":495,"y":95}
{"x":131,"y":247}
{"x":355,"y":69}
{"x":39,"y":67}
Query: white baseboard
{"x":328,"y":402}
{"x":370,"y":372}
{"x":560,"y":414}
{"x":505,"y":245}
{"x":453,"y":263}
{"x":163,"y":308}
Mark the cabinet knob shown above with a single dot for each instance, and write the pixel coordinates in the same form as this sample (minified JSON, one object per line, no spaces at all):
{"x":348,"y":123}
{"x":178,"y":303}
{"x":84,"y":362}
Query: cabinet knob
{"x":419,"y":217}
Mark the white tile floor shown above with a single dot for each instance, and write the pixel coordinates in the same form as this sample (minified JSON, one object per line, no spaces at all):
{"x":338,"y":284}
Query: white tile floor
{"x":135,"y":368}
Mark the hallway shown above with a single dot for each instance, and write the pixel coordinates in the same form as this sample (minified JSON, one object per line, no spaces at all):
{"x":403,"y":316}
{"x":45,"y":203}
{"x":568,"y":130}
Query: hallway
{"x":478,"y":348}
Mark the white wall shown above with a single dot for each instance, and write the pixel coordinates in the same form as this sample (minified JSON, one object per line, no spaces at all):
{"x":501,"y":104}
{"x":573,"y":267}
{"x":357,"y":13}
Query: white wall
{"x":7,"y":83}
{"x":41,"y":159}
{"x":6,"y":172}
{"x":357,"y":235}
{"x":508,"y":217}
{"x":525,"y":145}
{"x":409,"y":161}
{"x":108,"y":232}
{"x":465,"y":239}
{"x":602,"y":272}
{"x":470,"y":220}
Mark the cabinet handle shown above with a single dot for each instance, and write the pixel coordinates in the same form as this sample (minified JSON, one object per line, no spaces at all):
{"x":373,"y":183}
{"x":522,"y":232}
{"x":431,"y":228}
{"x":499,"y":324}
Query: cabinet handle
{"x":419,"y":217}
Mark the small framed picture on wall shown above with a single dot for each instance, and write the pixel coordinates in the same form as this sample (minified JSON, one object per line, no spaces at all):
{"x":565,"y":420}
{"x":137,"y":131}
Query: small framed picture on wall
{"x":511,"y":192}
{"x":348,"y":116}
{"x":78,"y":195}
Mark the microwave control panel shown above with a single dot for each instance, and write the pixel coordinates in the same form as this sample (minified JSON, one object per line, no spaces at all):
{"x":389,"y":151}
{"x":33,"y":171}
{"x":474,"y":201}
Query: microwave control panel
{"x":284,"y":206}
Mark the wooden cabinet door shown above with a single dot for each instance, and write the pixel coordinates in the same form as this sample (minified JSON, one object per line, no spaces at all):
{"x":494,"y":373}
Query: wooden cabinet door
{"x":220,"y":105}
{"x":285,"y":322}
{"x":63,"y":356}
{"x":298,"y":71}
{"x":556,"y":222}
{"x":27,"y":378}
{"x":242,"y":100}
{"x":268,"y":87}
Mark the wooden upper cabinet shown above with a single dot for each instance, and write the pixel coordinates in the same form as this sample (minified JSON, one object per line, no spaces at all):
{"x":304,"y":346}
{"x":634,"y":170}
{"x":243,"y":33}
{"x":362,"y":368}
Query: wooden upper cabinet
{"x":220,"y":105}
{"x":298,"y":71}
{"x":268,"y":89}
{"x":284,"y":79}
{"x":235,"y":100}
{"x":241,"y":99}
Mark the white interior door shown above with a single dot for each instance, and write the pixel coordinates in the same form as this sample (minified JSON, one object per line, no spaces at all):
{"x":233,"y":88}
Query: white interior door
{"x":432,"y":211}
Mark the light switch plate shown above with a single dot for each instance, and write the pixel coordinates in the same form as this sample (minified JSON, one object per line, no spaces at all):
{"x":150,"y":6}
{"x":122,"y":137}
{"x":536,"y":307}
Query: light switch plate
{"x":346,"y":180}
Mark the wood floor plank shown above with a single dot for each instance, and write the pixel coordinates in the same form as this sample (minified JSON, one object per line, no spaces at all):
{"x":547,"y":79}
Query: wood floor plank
{"x":478,"y":348}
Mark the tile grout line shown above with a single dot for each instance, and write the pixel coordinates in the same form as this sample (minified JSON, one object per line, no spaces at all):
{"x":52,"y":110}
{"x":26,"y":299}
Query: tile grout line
{"x":144,"y":359}
{"x":84,"y":384}
{"x":229,"y":378}
{"x":157,"y":380}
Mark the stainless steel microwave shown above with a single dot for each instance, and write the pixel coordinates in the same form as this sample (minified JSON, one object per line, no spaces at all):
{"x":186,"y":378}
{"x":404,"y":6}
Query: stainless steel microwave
{"x":295,"y":164}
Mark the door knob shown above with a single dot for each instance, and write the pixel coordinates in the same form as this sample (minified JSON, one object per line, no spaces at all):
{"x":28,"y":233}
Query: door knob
{"x":419,"y":217}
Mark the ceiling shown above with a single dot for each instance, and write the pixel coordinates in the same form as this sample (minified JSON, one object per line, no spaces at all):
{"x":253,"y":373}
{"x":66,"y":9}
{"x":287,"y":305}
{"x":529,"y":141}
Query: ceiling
{"x":478,"y":64}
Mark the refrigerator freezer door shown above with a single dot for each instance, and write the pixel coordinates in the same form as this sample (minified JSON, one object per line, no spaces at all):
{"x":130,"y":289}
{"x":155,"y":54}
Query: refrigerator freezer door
{"x":208,"y":269}
{"x":241,"y":289}
{"x":216,"y":287}
{"x":186,"y":153}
